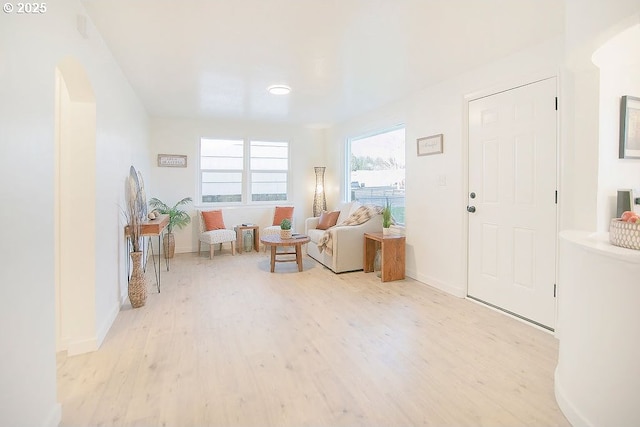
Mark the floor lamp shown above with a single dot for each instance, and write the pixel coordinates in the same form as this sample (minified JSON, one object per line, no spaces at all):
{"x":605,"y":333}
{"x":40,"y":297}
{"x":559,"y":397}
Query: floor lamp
{"x":319,"y":199}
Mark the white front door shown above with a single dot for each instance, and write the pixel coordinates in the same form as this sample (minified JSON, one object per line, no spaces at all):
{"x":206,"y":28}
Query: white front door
{"x":512,"y":201}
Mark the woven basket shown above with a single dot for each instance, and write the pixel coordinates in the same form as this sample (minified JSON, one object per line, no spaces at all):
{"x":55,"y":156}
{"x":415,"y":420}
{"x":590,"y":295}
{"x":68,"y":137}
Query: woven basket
{"x":285,"y":234}
{"x":624,"y":234}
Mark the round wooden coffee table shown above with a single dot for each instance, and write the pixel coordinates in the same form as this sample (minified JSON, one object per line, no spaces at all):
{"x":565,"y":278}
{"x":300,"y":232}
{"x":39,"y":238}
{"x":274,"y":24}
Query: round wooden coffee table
{"x":274,"y":241}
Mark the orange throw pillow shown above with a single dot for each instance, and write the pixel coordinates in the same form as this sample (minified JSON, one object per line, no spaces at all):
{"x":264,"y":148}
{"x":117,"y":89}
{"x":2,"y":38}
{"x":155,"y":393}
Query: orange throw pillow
{"x":213,"y":220}
{"x":327,"y":220}
{"x":282,"y":212}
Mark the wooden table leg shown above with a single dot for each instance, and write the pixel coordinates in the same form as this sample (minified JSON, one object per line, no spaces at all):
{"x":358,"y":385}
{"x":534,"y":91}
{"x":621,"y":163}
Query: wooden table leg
{"x":256,"y":239}
{"x":273,"y":258}
{"x":299,"y":257}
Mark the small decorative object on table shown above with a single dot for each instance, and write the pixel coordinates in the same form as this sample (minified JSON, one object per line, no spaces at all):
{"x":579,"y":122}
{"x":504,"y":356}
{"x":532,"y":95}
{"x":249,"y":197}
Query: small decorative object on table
{"x":625,"y":231}
{"x":285,"y":229}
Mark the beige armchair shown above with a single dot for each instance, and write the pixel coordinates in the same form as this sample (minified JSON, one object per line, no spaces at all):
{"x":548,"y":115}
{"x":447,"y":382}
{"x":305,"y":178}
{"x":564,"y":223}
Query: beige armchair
{"x":280,"y":213}
{"x":216,"y":236}
{"x":347,"y":241}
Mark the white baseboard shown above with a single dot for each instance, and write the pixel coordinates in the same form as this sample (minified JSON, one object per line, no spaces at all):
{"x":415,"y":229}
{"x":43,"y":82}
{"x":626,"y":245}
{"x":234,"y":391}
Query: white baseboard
{"x":184,"y":250}
{"x":106,"y":324}
{"x":568,"y":409}
{"x":82,"y":346}
{"x":55,"y":416}
{"x":435,"y":283}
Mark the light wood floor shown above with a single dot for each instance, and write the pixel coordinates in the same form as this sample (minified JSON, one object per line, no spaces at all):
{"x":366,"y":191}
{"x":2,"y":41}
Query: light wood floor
{"x":227,"y":343}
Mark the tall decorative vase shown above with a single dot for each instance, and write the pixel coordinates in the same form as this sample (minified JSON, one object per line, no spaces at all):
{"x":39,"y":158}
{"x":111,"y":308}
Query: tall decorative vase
{"x":377,"y":263}
{"x":137,"y":282}
{"x":248,"y":241}
{"x":319,"y":198}
{"x":169,"y":243}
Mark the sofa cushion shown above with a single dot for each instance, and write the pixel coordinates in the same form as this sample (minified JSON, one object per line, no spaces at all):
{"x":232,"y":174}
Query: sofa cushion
{"x":281,"y":213}
{"x":213,"y":220}
{"x":346,"y":209}
{"x":315,"y":235}
{"x":327,"y":220}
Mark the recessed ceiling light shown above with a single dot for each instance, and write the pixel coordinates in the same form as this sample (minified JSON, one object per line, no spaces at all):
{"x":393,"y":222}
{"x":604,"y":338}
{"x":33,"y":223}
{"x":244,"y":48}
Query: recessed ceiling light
{"x":279,"y":90}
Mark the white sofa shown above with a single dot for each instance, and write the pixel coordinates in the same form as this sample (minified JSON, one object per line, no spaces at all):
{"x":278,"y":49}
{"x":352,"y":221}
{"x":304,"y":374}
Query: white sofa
{"x":348,"y":241}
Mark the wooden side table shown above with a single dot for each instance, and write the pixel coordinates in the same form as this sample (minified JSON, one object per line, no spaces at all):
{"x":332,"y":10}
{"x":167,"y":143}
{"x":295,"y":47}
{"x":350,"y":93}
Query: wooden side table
{"x":393,"y":254}
{"x":240,"y":241}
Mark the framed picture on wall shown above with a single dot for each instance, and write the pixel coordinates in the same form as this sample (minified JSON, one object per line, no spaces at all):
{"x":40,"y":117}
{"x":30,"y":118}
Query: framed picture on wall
{"x":629,"y":128}
{"x":172,"y":161}
{"x":430,"y":145}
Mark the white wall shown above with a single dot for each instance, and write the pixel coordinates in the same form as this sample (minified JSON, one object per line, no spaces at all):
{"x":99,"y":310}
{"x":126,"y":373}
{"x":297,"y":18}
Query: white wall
{"x":30,"y":49}
{"x":590,"y":23}
{"x":182,"y":136}
{"x":436,"y":185}
{"x":590,"y":110}
{"x":619,"y":75}
{"x":75,"y":134}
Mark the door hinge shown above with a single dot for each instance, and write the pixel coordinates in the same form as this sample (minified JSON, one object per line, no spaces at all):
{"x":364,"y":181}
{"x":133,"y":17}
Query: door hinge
{"x":556,"y":103}
{"x":554,"y":290}
{"x":556,"y":197}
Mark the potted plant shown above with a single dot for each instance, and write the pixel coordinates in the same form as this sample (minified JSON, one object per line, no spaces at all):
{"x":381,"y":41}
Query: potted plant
{"x":387,"y":219}
{"x":285,"y":229}
{"x":177,"y":218}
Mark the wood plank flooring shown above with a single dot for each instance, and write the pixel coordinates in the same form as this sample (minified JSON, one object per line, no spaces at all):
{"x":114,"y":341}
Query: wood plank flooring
{"x":227,"y":343}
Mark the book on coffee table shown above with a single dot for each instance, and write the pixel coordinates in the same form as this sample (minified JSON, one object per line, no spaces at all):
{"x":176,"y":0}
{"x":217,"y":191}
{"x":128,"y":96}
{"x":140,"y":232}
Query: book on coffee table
{"x":298,"y":236}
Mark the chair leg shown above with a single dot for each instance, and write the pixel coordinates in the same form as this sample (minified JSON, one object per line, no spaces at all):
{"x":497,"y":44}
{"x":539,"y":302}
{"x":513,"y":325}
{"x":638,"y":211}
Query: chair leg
{"x":210,"y":251}
{"x":233,"y":250}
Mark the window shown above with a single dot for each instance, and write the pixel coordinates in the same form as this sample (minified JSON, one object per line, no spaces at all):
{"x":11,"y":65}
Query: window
{"x":377,"y":169}
{"x":228,"y":176}
{"x":269,"y":170}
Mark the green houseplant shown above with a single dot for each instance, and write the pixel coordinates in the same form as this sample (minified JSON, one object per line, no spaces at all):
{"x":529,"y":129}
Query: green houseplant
{"x":177,"y":218}
{"x":387,"y":219}
{"x":285,"y":229}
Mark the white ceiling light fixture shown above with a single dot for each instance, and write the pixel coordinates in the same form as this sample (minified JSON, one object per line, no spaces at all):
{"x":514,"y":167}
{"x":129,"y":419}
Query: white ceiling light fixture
{"x":279,"y":90}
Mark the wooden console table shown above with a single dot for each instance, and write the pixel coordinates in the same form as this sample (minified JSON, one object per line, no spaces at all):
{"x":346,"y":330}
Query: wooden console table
{"x":149,"y":229}
{"x":393,"y":254}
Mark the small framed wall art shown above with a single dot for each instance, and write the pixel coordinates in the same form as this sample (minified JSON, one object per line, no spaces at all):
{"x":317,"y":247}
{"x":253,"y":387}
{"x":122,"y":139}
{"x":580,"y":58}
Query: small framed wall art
{"x":629,"y":128}
{"x":430,"y":145}
{"x":172,"y":161}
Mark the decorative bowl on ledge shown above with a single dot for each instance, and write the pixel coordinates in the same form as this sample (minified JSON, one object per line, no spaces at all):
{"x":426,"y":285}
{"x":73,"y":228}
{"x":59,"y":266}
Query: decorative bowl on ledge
{"x":624,"y":234}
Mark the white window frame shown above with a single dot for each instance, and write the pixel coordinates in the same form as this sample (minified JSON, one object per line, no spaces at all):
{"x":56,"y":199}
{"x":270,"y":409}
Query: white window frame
{"x":251,"y":171}
{"x":347,"y":152}
{"x":246,"y":173}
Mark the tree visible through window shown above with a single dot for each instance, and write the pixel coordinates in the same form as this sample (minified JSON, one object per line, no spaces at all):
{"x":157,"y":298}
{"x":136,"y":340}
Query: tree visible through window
{"x":377,"y":170}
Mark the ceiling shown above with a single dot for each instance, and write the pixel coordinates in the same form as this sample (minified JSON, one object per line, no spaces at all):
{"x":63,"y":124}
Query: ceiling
{"x":342,"y":58}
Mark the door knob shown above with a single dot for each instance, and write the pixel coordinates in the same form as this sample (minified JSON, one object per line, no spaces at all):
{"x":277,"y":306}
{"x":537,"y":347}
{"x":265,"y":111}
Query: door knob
{"x":471,"y":209}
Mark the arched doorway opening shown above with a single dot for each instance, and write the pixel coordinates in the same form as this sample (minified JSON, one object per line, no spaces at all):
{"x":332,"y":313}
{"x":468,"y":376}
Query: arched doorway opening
{"x":75,"y":201}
